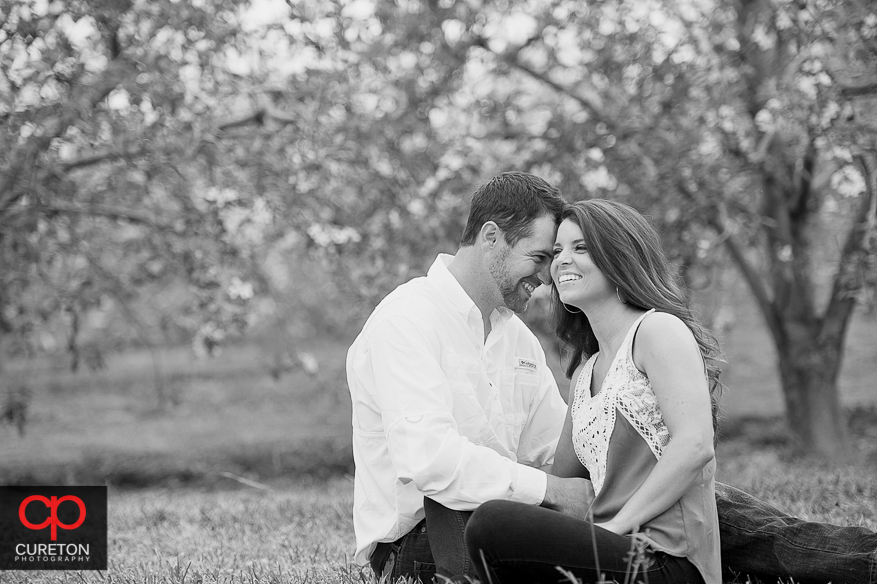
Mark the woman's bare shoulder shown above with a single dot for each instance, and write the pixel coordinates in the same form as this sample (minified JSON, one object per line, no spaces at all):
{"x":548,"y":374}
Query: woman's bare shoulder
{"x":660,"y":335}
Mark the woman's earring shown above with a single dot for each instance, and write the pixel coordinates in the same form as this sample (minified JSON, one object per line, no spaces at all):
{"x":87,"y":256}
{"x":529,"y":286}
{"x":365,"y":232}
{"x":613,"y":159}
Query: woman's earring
{"x":579,"y":311}
{"x":617,"y":293}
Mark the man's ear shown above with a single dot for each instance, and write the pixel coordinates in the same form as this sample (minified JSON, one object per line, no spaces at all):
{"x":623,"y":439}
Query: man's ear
{"x":490,"y":235}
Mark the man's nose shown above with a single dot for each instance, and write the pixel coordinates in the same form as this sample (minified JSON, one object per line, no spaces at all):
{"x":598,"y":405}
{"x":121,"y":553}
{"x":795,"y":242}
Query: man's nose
{"x":545,"y":274}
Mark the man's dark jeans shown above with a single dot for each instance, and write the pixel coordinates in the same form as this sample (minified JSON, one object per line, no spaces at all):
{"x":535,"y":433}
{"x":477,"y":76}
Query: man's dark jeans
{"x":762,"y":542}
{"x":434,"y":546}
{"x":409,"y":556}
{"x":758,"y":541}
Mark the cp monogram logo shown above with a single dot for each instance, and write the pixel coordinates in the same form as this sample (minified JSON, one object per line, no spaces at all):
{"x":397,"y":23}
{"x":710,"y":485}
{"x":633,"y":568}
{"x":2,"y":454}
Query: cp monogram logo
{"x":52,"y":505}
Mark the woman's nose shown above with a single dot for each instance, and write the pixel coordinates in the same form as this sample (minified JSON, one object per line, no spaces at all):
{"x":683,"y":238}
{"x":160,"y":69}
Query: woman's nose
{"x":562,"y":258}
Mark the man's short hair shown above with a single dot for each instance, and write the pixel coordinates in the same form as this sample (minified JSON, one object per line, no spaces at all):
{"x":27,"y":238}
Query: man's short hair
{"x":512,"y":200}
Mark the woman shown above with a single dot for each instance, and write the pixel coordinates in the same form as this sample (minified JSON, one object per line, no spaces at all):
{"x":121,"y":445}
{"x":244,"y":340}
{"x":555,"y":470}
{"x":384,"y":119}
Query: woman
{"x":640,"y":421}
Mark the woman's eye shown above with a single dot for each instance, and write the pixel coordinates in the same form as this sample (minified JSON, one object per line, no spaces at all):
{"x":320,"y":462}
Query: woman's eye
{"x":581,"y":248}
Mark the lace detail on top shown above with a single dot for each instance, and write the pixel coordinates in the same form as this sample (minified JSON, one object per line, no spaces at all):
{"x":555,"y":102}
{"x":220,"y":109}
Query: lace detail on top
{"x":625,"y":389}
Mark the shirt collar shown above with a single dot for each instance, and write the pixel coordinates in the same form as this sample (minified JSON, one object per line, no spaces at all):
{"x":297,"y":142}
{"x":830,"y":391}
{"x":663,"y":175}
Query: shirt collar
{"x":457,"y":297}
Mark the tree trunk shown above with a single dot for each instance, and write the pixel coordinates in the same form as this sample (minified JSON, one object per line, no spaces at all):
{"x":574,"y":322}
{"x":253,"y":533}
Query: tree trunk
{"x":72,"y":341}
{"x":809,"y":349}
{"x":808,"y":372}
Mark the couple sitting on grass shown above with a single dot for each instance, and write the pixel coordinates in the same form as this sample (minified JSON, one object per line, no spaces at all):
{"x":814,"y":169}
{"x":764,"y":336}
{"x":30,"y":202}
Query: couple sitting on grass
{"x":468,"y":462}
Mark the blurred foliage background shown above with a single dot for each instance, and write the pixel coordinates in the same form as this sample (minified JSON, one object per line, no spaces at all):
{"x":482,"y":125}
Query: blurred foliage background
{"x":179,"y":173}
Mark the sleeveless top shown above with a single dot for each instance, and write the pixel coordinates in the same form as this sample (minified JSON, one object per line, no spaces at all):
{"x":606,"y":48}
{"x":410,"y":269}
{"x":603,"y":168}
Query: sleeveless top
{"x":620,"y":451}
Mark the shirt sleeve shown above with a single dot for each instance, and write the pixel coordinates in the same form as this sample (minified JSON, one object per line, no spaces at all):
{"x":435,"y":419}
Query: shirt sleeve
{"x":539,"y":437}
{"x":423,"y":436}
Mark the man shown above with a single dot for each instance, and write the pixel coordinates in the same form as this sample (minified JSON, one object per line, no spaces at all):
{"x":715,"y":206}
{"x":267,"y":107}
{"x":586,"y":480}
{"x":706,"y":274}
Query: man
{"x":452,"y":399}
{"x":453,"y":405}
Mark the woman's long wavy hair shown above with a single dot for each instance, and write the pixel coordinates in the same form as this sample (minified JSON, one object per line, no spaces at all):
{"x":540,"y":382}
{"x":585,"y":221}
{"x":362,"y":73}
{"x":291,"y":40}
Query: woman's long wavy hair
{"x":627,"y":250}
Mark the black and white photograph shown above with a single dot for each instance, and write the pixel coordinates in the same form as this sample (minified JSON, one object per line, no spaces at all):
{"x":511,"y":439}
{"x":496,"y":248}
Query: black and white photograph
{"x":438,"y":291}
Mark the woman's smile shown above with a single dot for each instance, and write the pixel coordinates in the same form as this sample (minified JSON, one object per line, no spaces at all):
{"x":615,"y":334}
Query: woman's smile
{"x":565,"y":278}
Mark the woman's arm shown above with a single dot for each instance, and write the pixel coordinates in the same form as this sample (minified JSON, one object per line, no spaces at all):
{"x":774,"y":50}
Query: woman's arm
{"x":566,"y":463}
{"x":666,"y":351}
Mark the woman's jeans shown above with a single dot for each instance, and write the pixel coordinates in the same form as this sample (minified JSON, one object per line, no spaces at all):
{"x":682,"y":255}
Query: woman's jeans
{"x":513,"y":543}
{"x":757,"y":540}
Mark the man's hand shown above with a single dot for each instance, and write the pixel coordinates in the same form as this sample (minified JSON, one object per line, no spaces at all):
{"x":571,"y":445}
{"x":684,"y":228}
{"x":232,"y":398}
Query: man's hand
{"x":572,"y":496}
{"x":613,"y":527}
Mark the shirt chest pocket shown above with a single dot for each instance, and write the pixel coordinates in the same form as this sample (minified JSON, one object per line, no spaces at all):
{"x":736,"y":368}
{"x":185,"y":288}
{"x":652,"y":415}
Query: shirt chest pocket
{"x":472,"y":406}
{"x":519,"y":389}
{"x":462,"y":372}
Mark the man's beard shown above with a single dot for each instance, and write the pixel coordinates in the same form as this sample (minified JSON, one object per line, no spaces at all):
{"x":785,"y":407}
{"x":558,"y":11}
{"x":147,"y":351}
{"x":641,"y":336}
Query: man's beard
{"x":509,"y":288}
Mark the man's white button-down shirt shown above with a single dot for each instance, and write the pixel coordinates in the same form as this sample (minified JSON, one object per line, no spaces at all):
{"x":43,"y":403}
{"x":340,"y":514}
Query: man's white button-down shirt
{"x":442,"y":413}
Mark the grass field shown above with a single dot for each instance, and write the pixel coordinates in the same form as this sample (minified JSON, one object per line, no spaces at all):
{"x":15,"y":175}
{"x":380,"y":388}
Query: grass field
{"x":229,"y":416}
{"x":300,"y":531}
{"x":180,"y":507}
{"x":295,"y":533}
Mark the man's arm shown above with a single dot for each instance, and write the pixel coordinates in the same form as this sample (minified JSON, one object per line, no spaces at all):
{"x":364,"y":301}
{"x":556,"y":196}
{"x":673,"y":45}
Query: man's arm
{"x":425,"y":444}
{"x":569,"y":490}
{"x":539,"y":437}
{"x":572,"y":496}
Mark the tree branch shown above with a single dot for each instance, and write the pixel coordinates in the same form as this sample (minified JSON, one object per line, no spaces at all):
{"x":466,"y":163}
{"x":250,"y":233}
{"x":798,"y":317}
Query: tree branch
{"x":802,"y":182}
{"x":98,"y":158}
{"x":103,"y":211}
{"x":857,"y":90}
{"x":590,"y":103}
{"x":266,"y":111}
{"x":255,"y":117}
{"x":759,"y":290}
{"x":717,"y":216}
{"x":77,"y":108}
{"x":853,"y":259}
{"x":756,"y":284}
{"x":760,"y":154}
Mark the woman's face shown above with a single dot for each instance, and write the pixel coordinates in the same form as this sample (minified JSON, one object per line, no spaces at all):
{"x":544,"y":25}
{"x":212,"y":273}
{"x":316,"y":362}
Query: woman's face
{"x":578,"y":280}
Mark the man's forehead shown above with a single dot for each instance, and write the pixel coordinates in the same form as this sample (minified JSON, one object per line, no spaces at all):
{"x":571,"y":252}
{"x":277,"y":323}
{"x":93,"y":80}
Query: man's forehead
{"x":543,"y":232}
